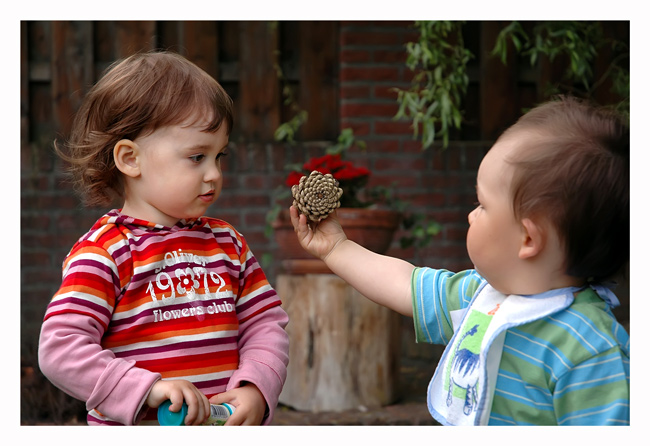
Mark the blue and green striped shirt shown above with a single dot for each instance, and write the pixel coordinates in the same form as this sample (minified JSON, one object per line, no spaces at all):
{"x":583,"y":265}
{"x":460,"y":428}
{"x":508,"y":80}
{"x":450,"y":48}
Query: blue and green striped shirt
{"x":570,"y":368}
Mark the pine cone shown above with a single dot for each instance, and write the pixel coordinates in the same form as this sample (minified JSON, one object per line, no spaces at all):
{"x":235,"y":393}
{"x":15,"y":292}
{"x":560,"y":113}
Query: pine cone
{"x":317,"y":195}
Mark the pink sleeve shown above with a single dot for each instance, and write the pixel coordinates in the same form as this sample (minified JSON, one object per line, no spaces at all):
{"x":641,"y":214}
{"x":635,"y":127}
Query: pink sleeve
{"x":264,"y":355}
{"x":71,"y":357}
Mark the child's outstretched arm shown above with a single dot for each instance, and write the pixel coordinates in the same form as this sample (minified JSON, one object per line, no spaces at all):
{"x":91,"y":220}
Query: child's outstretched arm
{"x":382,"y":279}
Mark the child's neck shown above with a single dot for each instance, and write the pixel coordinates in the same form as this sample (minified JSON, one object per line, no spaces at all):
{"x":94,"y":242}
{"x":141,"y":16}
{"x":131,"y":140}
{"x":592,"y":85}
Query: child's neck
{"x":533,"y":280}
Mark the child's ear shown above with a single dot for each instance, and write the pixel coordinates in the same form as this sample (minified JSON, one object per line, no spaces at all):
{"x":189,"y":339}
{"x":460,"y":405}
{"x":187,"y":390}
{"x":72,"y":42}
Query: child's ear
{"x":533,"y":240}
{"x":126,"y":155}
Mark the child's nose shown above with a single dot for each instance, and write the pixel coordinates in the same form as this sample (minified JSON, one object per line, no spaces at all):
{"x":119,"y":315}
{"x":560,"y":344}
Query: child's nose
{"x":471,"y":216}
{"x":212,"y":173}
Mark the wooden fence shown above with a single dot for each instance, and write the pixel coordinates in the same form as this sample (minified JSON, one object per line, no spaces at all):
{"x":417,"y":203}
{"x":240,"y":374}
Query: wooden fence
{"x":61,"y":60}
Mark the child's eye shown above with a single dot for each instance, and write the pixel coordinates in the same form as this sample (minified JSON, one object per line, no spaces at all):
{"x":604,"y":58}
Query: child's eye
{"x":197,"y":158}
{"x":221,"y":154}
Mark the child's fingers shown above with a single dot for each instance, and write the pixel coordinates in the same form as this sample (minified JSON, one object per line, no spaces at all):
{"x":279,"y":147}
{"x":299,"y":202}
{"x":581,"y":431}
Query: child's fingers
{"x":221,"y":398}
{"x":236,"y":419}
{"x":293,"y":213}
{"x":198,"y":407}
{"x":176,"y":398}
{"x":300,"y":225}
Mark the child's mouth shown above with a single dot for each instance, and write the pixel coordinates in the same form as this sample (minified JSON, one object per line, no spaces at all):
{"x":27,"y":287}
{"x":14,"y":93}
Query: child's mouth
{"x":207,"y":197}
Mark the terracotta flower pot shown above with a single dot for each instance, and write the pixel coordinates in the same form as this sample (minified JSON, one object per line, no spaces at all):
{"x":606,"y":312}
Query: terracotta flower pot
{"x":371,"y":228}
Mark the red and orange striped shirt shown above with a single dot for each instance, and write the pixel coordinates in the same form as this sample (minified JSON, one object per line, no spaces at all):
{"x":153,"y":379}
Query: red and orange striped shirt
{"x":181,"y":302}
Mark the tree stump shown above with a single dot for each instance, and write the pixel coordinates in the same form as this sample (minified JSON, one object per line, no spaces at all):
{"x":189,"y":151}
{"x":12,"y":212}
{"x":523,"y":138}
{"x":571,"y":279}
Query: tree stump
{"x":343,"y":350}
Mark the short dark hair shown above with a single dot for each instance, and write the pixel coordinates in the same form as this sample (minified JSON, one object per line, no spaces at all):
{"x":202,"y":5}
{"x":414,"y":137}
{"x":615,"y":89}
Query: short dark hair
{"x":575,"y":171}
{"x":136,"y":96}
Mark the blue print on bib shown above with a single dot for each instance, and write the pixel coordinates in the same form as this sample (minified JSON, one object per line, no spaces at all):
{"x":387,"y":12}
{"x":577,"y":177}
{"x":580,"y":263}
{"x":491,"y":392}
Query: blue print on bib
{"x":461,"y":379}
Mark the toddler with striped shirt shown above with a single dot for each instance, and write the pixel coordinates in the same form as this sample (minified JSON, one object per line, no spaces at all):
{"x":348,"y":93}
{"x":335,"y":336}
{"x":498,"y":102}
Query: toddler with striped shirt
{"x":529,"y":332}
{"x":159,"y":302}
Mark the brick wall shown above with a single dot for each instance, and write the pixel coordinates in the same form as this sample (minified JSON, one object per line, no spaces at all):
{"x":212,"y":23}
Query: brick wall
{"x":438,"y":183}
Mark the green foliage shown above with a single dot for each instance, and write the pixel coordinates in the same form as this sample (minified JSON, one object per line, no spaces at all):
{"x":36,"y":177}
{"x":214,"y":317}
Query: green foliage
{"x":344,"y":142}
{"x":287,"y":130}
{"x":580,"y":42}
{"x":439,"y":60}
{"x":420,"y":232}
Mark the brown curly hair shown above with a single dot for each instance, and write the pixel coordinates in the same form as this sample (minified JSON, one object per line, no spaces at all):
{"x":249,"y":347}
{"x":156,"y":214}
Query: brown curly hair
{"x":575,"y":171}
{"x":134,"y":97}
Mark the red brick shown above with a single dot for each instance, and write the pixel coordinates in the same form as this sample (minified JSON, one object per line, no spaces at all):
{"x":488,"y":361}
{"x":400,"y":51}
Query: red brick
{"x":38,"y":223}
{"x":67,"y":223}
{"x":35,"y":259}
{"x":67,"y":202}
{"x":438,"y":160}
{"x":455,"y":233}
{"x":442,"y":181}
{"x":374,"y":38}
{"x":390,"y":56}
{"x":446,"y":252}
{"x":461,"y":198}
{"x":237,"y":200}
{"x":377,"y":74}
{"x":255,"y":182}
{"x":426,"y":199}
{"x":383,"y":146}
{"x":255,"y":218}
{"x":413,"y":146}
{"x":401,"y":163}
{"x":34,"y":182}
{"x":447,"y":215}
{"x":367,"y":109}
{"x":400,"y":181}
{"x":354,"y":91}
{"x":354,"y":56}
{"x":229,"y":181}
{"x":393,"y":128}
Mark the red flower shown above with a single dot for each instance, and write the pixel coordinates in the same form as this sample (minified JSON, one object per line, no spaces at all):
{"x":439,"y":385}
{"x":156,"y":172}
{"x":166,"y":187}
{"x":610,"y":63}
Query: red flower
{"x":324,"y":164}
{"x":294,"y":178}
{"x":350,"y":172}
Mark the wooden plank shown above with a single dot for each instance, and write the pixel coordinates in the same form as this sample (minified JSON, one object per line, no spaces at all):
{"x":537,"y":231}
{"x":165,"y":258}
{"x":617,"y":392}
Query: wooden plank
{"x":104,"y":40}
{"x":319,"y":61}
{"x":72,"y":69}
{"x":24,"y":84}
{"x":259,"y":92}
{"x":134,"y":36}
{"x":497,"y":82}
{"x":39,"y":41}
{"x":228,"y":38}
{"x":168,"y":32}
{"x":39,"y":55}
{"x":201,"y":45}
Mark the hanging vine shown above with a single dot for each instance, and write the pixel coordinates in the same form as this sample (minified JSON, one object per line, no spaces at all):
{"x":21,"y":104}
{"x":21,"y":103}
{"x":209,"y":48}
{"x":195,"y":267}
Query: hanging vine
{"x":434,"y":100}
